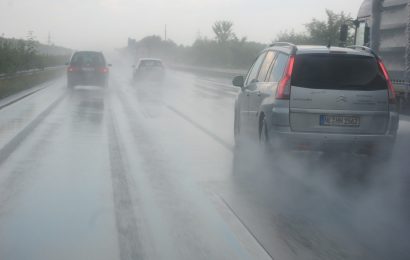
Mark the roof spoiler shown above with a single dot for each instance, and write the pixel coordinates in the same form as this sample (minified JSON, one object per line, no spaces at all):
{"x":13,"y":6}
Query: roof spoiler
{"x":285,"y":44}
{"x":363,"y":48}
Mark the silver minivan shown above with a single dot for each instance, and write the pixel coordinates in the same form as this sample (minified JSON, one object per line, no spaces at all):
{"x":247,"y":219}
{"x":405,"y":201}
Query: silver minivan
{"x":317,"y":98}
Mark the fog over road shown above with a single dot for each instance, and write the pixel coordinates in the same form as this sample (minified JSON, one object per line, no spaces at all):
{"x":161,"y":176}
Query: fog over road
{"x":151,"y":172}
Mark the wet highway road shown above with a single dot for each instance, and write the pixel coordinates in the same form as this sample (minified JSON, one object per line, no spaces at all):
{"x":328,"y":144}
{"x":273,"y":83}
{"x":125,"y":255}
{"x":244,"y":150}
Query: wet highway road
{"x":150,"y":172}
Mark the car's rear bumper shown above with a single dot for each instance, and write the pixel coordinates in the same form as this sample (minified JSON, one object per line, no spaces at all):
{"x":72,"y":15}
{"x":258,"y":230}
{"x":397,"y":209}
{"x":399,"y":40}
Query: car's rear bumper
{"x":97,"y":80}
{"x":280,"y":128}
{"x":330,"y":141}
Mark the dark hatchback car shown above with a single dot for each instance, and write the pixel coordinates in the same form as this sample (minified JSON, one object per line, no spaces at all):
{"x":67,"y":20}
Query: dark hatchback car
{"x":87,"y":68}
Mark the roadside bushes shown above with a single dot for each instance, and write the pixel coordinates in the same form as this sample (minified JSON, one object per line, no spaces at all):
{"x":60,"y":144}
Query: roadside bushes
{"x":20,"y":55}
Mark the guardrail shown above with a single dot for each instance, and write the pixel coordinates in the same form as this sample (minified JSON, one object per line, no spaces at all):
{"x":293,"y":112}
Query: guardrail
{"x":231,"y":73}
{"x":22,"y":80}
{"x":28,"y":72}
{"x":218,"y":72}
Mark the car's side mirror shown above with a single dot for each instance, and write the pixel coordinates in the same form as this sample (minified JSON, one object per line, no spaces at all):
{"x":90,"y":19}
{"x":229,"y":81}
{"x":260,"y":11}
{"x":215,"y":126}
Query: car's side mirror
{"x":109,"y":65}
{"x":238,"y":81}
{"x":67,"y":63}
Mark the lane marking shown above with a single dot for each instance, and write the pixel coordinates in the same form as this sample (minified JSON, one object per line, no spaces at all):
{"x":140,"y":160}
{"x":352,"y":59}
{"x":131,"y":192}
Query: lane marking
{"x":12,"y":145}
{"x":216,"y":90}
{"x":404,"y":118}
{"x":214,"y":83}
{"x":228,"y":234}
{"x":151,"y":208}
{"x":228,"y":87}
{"x":225,"y":144}
{"x":245,"y":226}
{"x":27,"y":94}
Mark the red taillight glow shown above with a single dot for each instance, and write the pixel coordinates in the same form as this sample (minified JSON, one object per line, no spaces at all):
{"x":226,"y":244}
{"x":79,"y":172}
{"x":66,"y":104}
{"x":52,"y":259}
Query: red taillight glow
{"x":392,"y":92}
{"x":103,"y":70}
{"x":283,"y":91}
{"x":72,"y":69}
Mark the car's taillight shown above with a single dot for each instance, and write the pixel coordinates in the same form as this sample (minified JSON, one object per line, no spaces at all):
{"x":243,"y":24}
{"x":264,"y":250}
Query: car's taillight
{"x":103,"y":70}
{"x":72,"y":69}
{"x":392,"y":92}
{"x":283,"y":90}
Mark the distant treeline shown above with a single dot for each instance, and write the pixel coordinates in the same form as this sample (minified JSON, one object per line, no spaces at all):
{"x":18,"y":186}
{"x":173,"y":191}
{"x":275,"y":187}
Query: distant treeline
{"x":226,"y":50}
{"x":19,"y":55}
{"x":204,"y":52}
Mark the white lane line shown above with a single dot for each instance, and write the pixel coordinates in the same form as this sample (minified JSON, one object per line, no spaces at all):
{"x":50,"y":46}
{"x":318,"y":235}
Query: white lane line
{"x":230,"y":86}
{"x":25,"y":93}
{"x":404,"y":118}
{"x":215,"y":91}
{"x":209,"y":133}
{"x":230,"y":92}
{"x":229,"y":207}
{"x":12,"y":145}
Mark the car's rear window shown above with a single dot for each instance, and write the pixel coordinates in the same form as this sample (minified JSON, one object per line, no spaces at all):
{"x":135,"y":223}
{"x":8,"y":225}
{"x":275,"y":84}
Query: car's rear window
{"x":88,"y":58}
{"x":337,"y":71}
{"x":150,"y":63}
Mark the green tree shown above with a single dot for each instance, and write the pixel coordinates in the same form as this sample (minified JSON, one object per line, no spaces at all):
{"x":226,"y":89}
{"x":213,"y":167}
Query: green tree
{"x":293,"y":37}
{"x":321,"y":32}
{"x":223,"y":31}
{"x":31,"y":43}
{"x":327,"y":32}
{"x":17,"y":55}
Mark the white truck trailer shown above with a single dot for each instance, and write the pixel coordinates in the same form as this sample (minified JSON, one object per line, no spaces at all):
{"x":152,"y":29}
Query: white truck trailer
{"x":384,"y":26}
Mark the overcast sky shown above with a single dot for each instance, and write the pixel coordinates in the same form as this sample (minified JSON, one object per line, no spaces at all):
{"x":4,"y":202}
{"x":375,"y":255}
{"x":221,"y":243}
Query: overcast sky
{"x":106,"y":24}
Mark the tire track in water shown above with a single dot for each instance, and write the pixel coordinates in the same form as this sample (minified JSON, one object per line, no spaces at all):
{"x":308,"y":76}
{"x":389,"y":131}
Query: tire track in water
{"x":129,"y":242}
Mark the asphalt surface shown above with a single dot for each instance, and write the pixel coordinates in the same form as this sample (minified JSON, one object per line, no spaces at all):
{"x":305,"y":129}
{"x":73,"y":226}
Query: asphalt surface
{"x":150,"y":171}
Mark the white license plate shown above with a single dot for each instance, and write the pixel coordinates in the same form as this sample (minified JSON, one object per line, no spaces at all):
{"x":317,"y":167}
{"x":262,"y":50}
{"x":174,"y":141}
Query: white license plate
{"x":88,"y":69}
{"x":338,"y":120}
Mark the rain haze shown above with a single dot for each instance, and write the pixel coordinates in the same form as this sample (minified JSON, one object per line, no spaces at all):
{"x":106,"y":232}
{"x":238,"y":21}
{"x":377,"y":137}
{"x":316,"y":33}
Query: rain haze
{"x":217,"y":129}
{"x":106,"y":23}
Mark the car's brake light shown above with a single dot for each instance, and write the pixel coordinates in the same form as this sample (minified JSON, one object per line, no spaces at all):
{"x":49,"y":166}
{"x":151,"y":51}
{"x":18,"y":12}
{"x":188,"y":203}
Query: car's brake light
{"x":283,"y":90}
{"x":104,"y":70}
{"x":392,"y":92}
{"x":72,"y":69}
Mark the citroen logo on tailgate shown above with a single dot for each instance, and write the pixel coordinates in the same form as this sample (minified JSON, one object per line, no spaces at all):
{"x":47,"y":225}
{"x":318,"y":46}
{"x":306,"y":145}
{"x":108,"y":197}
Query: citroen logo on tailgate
{"x":341,"y":99}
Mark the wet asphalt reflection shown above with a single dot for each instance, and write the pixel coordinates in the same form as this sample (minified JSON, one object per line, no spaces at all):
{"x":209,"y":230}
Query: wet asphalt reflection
{"x":151,"y":171}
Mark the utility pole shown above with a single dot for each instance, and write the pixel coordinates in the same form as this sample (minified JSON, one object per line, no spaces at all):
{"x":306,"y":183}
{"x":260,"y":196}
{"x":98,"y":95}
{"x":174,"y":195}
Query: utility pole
{"x":165,"y":32}
{"x":375,"y":28}
{"x":49,"y":39}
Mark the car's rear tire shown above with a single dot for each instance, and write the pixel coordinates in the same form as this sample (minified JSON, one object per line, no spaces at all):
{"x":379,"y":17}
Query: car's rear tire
{"x":264,"y":137}
{"x":236,"y":130}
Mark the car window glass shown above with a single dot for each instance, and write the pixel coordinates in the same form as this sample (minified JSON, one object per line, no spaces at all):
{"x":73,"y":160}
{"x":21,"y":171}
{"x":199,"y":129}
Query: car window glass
{"x":266,"y":65}
{"x":341,"y":72}
{"x":253,"y":73}
{"x":88,"y":59}
{"x":278,"y":68}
